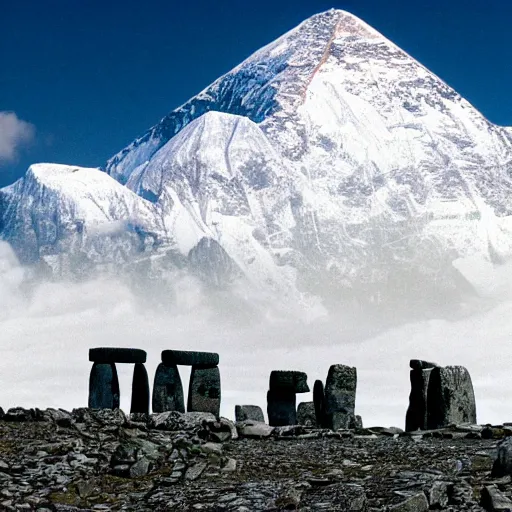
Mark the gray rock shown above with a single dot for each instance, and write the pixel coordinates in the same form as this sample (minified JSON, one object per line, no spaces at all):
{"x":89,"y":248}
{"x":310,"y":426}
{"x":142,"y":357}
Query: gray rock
{"x":306,"y":414}
{"x":416,"y":416}
{"x":419,"y":364}
{"x":416,"y":503}
{"x":340,"y":396}
{"x":289,"y":380}
{"x":450,"y":397}
{"x":140,"y":390}
{"x":494,"y":501}
{"x":204,"y":390}
{"x":358,"y":421}
{"x":167,"y":389}
{"x":195,"y":471}
{"x":281,"y":407}
{"x":186,"y":358}
{"x":117,"y":355}
{"x":175,"y":421}
{"x":439,"y":494}
{"x":254,"y":429}
{"x":140,"y":468}
{"x":222,"y":430}
{"x":103,"y":386}
{"x":503,"y":463}
{"x":248,"y":412}
{"x":19,"y":414}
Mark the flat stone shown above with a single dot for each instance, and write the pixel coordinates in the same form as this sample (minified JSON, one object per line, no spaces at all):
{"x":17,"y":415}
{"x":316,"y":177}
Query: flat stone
{"x":248,"y":412}
{"x":289,"y":380}
{"x":254,"y":429}
{"x":450,"y":397}
{"x":117,"y":355}
{"x":416,"y":503}
{"x":306,"y":414}
{"x":167,"y":390}
{"x":204,"y":392}
{"x":419,"y":364}
{"x":189,"y":358}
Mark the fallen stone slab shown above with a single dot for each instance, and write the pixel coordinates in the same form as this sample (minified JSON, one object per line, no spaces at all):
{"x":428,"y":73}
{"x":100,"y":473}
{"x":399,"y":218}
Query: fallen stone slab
{"x":254,"y":429}
{"x":248,"y":412}
{"x":117,"y":355}
{"x":189,"y":358}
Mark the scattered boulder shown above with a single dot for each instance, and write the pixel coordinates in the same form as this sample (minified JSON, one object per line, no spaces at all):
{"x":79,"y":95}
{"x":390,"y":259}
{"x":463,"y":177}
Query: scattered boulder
{"x":450,"y":397}
{"x":168,"y":389}
{"x":306,"y":414}
{"x":340,"y":396}
{"x":248,"y":412}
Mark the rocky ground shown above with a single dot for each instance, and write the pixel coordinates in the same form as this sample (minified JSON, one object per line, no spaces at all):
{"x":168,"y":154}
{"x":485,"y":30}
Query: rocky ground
{"x":103,"y":460}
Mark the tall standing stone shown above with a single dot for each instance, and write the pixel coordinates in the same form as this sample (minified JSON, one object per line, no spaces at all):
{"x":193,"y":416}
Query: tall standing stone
{"x":204,"y":390}
{"x":340,"y":396}
{"x":281,"y":397}
{"x":450,"y":397}
{"x":416,"y":417}
{"x":140,"y":390}
{"x":319,"y":401}
{"x":168,"y":389}
{"x":103,"y":386}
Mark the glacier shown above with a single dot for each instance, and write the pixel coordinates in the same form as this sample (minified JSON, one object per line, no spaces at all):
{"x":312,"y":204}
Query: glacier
{"x":330,"y":165}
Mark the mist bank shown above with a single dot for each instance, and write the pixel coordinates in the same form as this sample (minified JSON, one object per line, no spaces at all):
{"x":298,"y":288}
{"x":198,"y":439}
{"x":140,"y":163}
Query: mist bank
{"x":48,"y":327}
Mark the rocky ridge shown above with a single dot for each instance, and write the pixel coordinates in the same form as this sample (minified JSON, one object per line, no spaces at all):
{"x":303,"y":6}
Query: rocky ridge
{"x":88,"y":459}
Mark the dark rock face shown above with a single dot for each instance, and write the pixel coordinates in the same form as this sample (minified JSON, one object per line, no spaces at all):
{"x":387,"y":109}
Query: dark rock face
{"x":249,"y":412}
{"x":319,"y":401}
{"x":306,"y":414}
{"x":168,"y":389}
{"x":289,"y":379}
{"x":340,"y":396}
{"x":503,"y":463}
{"x":204,"y":390}
{"x":103,"y":386}
{"x":182,"y":357}
{"x":117,"y":355}
{"x":450,"y":397}
{"x":419,"y":364}
{"x":140,"y":390}
{"x":416,"y":417}
{"x":281,"y":407}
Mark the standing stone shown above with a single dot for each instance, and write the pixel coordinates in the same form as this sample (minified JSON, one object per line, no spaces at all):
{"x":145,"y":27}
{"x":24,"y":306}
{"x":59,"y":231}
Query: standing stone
{"x":306,"y":414}
{"x":416,"y":417}
{"x":140,"y":390}
{"x":103,"y":386}
{"x":248,"y":412}
{"x":319,"y":401}
{"x":168,"y":390}
{"x":340,"y":396}
{"x":204,"y":390}
{"x":450,"y":397}
{"x":281,"y":407}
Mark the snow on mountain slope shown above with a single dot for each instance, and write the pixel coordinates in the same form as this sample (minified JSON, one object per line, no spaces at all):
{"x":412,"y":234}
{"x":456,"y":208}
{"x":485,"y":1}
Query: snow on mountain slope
{"x":329,"y":160}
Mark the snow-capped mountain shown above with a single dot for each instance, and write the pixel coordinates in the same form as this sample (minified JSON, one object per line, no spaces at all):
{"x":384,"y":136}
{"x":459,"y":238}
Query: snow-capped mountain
{"x":328,"y":161}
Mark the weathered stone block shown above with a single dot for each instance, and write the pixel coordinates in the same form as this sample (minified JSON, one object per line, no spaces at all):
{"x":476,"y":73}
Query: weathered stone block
{"x":186,"y":358}
{"x":204,"y":390}
{"x":140,"y":390}
{"x":103,"y":386}
{"x":306,"y":414}
{"x":249,"y":412}
{"x":168,"y":389}
{"x":340,"y":396}
{"x":117,"y":355}
{"x":450,"y":397}
{"x":289,"y":379}
{"x":281,"y":407}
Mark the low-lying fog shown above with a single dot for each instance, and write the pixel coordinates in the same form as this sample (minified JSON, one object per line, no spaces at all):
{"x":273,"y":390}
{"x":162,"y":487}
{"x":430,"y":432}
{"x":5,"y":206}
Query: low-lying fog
{"x":46,"y":332}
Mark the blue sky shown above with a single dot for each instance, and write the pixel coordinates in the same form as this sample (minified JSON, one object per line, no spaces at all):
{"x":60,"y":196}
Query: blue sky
{"x":91,"y":75}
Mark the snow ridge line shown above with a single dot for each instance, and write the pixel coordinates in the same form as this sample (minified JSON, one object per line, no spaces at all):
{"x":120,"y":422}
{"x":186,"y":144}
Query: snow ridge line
{"x":324,"y":57}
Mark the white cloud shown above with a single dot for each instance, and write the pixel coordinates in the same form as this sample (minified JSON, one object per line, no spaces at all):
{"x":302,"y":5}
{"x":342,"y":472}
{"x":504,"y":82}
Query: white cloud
{"x":46,"y":336}
{"x":14,"y":134}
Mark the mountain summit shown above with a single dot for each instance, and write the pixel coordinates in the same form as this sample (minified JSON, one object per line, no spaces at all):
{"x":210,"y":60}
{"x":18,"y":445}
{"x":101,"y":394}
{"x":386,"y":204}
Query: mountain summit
{"x":329,"y":162}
